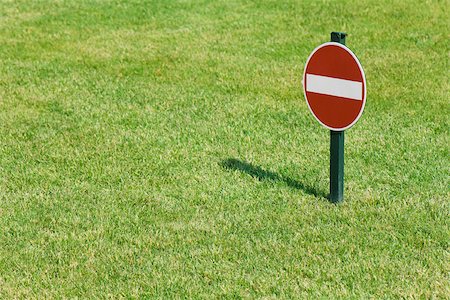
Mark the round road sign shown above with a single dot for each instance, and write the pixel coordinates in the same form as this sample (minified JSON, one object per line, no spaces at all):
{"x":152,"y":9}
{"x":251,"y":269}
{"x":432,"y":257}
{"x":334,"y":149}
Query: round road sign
{"x":335,"y":86}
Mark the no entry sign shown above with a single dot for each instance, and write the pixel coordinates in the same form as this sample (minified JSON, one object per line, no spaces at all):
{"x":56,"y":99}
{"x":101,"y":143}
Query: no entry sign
{"x":335,"y":86}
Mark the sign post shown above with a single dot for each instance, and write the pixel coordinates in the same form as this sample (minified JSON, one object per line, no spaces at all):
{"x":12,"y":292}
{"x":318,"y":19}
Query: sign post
{"x":337,"y":148}
{"x":335,"y":90}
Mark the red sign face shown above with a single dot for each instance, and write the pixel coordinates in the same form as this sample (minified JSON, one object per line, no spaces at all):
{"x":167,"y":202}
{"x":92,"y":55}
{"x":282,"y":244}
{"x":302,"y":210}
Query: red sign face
{"x":335,"y":86}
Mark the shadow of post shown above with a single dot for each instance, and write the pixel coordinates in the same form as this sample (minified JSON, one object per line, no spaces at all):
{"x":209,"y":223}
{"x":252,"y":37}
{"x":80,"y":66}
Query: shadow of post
{"x":261,"y":174}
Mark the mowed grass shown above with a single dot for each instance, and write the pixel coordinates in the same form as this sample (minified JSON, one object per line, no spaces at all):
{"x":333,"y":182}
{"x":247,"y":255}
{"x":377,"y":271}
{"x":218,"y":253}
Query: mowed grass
{"x":164,"y":149}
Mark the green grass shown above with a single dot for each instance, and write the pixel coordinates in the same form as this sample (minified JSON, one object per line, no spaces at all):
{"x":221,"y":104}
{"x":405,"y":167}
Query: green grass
{"x":164,"y":149}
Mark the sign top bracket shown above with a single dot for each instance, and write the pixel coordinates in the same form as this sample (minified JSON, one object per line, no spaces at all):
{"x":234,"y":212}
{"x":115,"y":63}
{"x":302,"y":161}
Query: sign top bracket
{"x":338,"y":37}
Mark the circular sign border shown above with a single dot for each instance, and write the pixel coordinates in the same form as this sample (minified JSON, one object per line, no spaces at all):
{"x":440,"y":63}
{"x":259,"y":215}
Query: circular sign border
{"x":364,"y":81}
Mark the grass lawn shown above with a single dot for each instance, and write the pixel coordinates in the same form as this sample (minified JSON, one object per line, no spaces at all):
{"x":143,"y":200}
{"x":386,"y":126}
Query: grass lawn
{"x":164,"y":149}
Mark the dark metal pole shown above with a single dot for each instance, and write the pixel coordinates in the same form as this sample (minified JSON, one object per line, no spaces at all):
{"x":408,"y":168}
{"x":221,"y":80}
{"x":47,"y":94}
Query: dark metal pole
{"x":337,"y":148}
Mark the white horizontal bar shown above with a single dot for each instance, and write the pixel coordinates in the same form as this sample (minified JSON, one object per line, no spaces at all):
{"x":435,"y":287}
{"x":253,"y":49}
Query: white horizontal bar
{"x":334,"y":86}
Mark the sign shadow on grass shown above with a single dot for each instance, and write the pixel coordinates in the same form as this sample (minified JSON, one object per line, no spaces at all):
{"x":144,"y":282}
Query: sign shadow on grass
{"x":261,"y":174}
